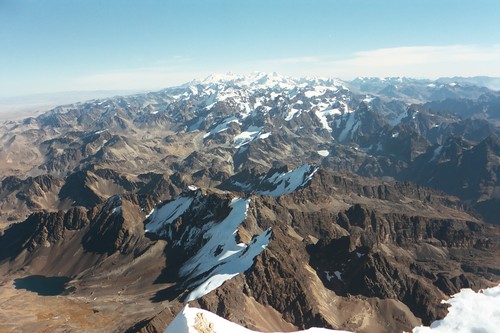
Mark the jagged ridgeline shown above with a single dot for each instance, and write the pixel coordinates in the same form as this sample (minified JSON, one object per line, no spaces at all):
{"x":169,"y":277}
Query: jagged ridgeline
{"x":276,"y":203}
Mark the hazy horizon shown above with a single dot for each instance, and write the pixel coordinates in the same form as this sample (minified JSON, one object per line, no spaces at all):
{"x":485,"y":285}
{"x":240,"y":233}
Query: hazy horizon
{"x":21,"y":106}
{"x":55,"y":46}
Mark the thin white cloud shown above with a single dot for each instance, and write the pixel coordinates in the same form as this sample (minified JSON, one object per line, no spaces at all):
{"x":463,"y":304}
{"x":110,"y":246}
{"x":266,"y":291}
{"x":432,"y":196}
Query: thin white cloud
{"x":429,"y":61}
{"x":170,"y":71}
{"x":415,"y":61}
{"x":142,"y":78}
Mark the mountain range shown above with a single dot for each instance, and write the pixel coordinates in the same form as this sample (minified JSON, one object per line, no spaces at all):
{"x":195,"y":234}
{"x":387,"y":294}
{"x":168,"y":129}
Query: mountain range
{"x":277,"y":203}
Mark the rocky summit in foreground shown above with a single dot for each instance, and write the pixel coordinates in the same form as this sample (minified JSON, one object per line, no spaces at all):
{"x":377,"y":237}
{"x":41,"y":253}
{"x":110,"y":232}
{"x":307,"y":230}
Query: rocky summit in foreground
{"x":279,"y":204}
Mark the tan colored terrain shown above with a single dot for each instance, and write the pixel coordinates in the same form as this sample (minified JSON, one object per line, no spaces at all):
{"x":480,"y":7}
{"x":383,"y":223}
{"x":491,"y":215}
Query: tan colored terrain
{"x":25,"y":311}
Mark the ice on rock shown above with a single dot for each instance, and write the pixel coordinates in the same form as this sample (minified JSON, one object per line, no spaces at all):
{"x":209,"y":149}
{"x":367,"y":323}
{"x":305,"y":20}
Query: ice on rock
{"x":223,"y":126}
{"x":221,"y":256}
{"x":250,"y":134}
{"x":166,"y":214}
{"x":288,"y":182}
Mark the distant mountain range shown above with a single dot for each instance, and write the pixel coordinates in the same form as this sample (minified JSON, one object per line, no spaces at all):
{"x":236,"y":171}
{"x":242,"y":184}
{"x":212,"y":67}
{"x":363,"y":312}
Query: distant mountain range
{"x":18,"y":107}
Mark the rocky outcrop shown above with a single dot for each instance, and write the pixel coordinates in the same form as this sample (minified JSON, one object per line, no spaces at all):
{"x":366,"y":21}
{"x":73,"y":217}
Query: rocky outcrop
{"x":19,"y":197}
{"x":116,"y":226}
{"x":41,"y":229}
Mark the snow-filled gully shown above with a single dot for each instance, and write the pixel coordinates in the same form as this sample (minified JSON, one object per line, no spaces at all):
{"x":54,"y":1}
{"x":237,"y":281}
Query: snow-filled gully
{"x":221,"y":257}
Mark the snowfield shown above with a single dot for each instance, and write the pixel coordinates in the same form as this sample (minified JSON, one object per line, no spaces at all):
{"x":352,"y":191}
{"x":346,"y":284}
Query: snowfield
{"x":260,"y":92}
{"x":194,"y":320}
{"x":469,"y":312}
{"x":288,"y":182}
{"x":281,"y":183}
{"x":221,"y":257}
{"x":167,"y":213}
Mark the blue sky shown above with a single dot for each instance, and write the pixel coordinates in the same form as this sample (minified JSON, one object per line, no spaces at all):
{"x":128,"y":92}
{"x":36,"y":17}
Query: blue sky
{"x":64,"y":45}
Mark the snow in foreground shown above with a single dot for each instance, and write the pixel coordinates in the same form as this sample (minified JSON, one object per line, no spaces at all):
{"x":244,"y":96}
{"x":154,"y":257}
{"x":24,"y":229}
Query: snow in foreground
{"x":194,"y":320}
{"x":469,"y":312}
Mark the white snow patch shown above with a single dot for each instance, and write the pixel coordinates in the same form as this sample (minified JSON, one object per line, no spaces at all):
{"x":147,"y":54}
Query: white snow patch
{"x":350,"y":127}
{"x":223,"y":126}
{"x":264,"y":135}
{"x":290,"y":181}
{"x":279,"y":183}
{"x":103,"y":101}
{"x":469,"y":312}
{"x":436,"y":153}
{"x":114,"y":204}
{"x":258,"y":102}
{"x":368,"y":99}
{"x":189,"y":319}
{"x":250,"y":134}
{"x":221,"y":256}
{"x":166,"y":214}
{"x":331,"y":112}
{"x":319,"y":90}
{"x":323,"y":153}
{"x":291,"y":114}
{"x":398,"y":119}
{"x":338,"y":274}
{"x":237,"y":262}
{"x":324,"y":122}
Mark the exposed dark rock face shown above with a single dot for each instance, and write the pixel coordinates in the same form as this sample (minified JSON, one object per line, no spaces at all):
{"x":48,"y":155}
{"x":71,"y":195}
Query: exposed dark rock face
{"x":113,"y":227}
{"x":109,"y":231}
{"x":41,"y":229}
{"x":278,"y":279}
{"x":469,"y":171}
{"x":76,"y":189}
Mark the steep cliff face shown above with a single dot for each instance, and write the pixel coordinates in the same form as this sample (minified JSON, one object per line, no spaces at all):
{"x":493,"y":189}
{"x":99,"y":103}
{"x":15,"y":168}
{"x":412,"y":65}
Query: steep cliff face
{"x":69,"y":242}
